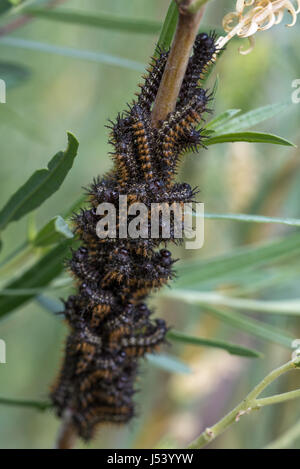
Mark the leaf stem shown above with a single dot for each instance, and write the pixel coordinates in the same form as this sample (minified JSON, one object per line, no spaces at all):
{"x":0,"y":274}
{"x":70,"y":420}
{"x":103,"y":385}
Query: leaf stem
{"x":278,"y":398}
{"x":249,"y":404}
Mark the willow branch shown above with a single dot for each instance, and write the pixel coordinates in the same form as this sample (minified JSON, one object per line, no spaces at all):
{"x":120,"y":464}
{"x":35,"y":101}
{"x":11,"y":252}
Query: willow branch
{"x":67,"y":435}
{"x":278,"y":398}
{"x":186,"y":31}
{"x":249,"y":404}
{"x":196,"y":5}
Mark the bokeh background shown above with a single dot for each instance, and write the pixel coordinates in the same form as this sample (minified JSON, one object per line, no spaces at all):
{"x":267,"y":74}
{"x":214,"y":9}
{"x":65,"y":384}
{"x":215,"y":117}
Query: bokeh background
{"x":54,"y":93}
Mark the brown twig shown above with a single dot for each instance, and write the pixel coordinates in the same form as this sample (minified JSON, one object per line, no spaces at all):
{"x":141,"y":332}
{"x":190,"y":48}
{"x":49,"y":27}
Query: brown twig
{"x":186,"y":31}
{"x":67,"y":435}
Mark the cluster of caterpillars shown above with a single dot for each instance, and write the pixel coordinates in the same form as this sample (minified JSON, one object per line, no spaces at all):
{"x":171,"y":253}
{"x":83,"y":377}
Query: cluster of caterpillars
{"x":111,"y":326}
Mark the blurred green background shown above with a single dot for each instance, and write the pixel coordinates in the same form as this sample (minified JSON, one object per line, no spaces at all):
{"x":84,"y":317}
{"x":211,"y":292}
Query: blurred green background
{"x":56,"y":93}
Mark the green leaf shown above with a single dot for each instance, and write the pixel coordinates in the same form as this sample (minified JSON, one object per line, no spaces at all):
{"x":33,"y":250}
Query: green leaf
{"x":168,"y":363}
{"x":40,"y":274}
{"x":102,"y":20}
{"x":231,"y":348}
{"x":285,"y":307}
{"x":241,"y":217}
{"x":40,"y":186}
{"x":13,"y":74}
{"x":251,"y":326}
{"x":169,"y":26}
{"x":251,"y":137}
{"x":214,"y":124}
{"x":38,"y":405}
{"x":238,"y":261}
{"x":52,"y":305}
{"x":57,"y":228}
{"x":53,"y":232}
{"x":90,"y":56}
{"x":252,"y":118}
{"x":215,"y":87}
{"x":5,"y":6}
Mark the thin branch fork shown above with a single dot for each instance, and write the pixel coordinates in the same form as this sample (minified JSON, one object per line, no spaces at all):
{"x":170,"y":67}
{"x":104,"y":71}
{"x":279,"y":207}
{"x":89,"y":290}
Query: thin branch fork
{"x":250,"y":403}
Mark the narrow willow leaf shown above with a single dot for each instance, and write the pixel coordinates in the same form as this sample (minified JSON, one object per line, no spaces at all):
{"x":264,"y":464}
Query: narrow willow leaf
{"x":215,"y":87}
{"x":63,"y":283}
{"x":241,"y":217}
{"x":13,"y":74}
{"x":40,"y":274}
{"x":38,"y":405}
{"x":58,"y":228}
{"x":285,"y":307}
{"x":169,"y":26}
{"x":251,"y":137}
{"x":8,"y":6}
{"x":21,"y":254}
{"x":168,"y":363}
{"x":251,"y":326}
{"x":238,"y":261}
{"x":25,"y":291}
{"x":52,"y":305}
{"x":220,"y":120}
{"x":264,"y":331}
{"x":40,"y":186}
{"x":54,"y":231}
{"x":102,"y":20}
{"x":200,"y":341}
{"x":5,"y":5}
{"x":252,"y":118}
{"x":90,"y":56}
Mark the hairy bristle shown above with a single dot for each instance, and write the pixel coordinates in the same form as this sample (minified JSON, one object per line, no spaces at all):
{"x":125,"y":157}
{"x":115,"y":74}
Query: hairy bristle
{"x":110,"y":324}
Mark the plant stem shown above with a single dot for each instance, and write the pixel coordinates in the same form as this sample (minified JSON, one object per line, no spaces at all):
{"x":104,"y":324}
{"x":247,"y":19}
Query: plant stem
{"x":249,"y":404}
{"x":186,"y":31}
{"x":278,"y":398}
{"x":67,"y":434}
{"x":196,"y":5}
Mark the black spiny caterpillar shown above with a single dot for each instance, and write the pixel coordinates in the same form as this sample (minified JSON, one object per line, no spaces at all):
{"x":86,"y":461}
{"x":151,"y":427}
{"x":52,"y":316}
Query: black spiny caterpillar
{"x":109,"y":321}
